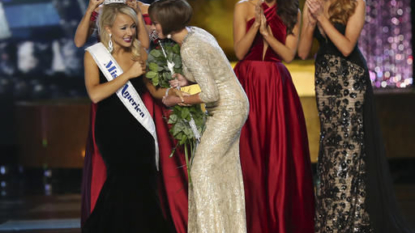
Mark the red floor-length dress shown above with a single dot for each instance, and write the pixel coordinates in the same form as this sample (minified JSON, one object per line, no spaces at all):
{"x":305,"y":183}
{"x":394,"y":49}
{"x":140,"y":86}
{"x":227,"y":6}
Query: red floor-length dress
{"x":274,"y":147}
{"x":173,"y":173}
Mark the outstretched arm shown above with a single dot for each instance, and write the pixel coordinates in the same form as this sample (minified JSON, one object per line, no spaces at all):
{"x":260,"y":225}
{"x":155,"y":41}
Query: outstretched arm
{"x":86,"y":26}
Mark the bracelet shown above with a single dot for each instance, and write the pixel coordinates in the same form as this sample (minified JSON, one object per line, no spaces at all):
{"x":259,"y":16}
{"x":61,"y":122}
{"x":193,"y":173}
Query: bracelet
{"x":167,"y":91}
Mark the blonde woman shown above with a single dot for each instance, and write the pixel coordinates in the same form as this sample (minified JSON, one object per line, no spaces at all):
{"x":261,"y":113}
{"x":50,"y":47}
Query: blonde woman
{"x":87,"y":25}
{"x":355,"y":193}
{"x":128,"y":200}
{"x":173,"y":175}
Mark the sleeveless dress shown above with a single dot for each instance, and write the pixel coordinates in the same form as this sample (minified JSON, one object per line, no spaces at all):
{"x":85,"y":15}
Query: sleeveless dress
{"x":355,"y":192}
{"x":172,"y":175}
{"x":128,"y":200}
{"x":274,"y":150}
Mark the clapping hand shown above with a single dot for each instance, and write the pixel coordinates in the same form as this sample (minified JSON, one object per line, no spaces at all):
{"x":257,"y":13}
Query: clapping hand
{"x":263,"y":29}
{"x":315,"y":8}
{"x":258,"y":11}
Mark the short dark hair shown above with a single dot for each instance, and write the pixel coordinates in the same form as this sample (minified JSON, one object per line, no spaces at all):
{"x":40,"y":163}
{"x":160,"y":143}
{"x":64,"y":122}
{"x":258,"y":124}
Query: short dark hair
{"x":172,"y":15}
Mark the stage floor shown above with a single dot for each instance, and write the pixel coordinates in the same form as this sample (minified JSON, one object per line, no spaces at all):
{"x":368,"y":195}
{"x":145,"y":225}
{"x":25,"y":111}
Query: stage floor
{"x":29,"y":203}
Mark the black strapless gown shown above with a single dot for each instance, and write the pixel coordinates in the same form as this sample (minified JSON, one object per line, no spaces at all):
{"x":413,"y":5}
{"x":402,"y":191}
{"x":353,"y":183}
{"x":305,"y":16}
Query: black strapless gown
{"x":128,"y":201}
{"x":355,"y":193}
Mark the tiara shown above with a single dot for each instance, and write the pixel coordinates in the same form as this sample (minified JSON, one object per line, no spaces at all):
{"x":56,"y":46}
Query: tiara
{"x":113,"y":1}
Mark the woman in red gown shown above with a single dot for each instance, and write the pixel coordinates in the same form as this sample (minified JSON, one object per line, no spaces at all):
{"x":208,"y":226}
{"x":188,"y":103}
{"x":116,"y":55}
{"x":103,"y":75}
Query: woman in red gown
{"x":173,"y":173}
{"x":274,"y":146}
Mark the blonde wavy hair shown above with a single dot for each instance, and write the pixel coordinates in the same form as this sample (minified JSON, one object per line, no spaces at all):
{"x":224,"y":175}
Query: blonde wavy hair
{"x":341,"y":10}
{"x":107,"y":16}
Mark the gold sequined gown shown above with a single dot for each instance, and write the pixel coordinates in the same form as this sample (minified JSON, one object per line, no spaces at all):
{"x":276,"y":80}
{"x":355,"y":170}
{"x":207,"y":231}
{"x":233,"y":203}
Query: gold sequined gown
{"x":216,"y":196}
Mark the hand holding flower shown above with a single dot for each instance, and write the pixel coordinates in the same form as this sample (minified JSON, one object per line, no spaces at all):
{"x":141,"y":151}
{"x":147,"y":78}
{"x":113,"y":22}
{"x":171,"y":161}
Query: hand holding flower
{"x":178,"y":81}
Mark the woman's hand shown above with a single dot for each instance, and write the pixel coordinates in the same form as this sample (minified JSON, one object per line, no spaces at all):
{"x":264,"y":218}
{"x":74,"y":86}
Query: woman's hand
{"x":134,"y":4}
{"x":315,"y":8}
{"x":174,"y":97}
{"x":178,"y":81}
{"x":258,"y":11}
{"x":137,"y":69}
{"x":93,"y":4}
{"x":263,"y":29}
{"x":312,"y":21}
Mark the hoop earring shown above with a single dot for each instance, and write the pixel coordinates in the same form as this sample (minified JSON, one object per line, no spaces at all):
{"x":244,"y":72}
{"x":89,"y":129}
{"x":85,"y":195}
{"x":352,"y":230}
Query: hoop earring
{"x":110,"y":47}
{"x":169,"y":36}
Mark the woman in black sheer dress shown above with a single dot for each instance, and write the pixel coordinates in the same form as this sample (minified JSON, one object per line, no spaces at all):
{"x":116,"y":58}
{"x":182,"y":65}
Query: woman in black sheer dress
{"x":355,"y":193}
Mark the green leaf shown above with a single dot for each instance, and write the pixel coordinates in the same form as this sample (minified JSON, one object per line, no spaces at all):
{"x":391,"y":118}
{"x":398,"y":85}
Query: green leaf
{"x":172,"y":119}
{"x":188,"y":131}
{"x":185,"y":113}
{"x":155,"y":81}
{"x":184,"y":139}
{"x":151,"y":74}
{"x":167,"y":76}
{"x":177,"y":62}
{"x":176,"y":49}
{"x":155,"y":53}
{"x":153,"y":67}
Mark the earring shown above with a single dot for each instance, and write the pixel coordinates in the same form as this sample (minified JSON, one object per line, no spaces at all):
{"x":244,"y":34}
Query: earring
{"x":110,"y":47}
{"x":169,"y":36}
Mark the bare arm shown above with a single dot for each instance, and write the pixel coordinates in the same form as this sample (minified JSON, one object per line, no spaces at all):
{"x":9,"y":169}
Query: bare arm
{"x":100,"y":91}
{"x":156,"y":92}
{"x":86,"y":26}
{"x":142,"y":32}
{"x":306,"y":38}
{"x":344,"y":43}
{"x":288,"y":50}
{"x":243,"y":39}
{"x":142,"y":35}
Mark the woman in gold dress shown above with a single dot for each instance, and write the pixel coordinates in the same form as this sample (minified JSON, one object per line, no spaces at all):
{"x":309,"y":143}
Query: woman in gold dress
{"x":216,"y":196}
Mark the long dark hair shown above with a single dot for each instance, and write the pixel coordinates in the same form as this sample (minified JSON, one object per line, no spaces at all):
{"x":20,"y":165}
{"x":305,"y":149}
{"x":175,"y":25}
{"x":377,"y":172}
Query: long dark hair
{"x":287,"y":10}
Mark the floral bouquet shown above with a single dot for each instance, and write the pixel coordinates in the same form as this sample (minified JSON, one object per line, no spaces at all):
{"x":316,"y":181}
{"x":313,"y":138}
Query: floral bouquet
{"x":187,"y":122}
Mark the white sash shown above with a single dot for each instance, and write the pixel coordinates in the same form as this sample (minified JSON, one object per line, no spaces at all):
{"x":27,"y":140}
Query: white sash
{"x":127,"y":94}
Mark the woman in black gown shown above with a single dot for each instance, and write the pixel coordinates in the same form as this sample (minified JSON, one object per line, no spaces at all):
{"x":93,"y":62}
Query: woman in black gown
{"x":355,"y":193}
{"x":128,"y":201}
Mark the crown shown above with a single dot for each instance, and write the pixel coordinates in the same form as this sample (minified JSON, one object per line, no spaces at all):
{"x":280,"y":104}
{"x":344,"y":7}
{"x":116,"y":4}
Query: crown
{"x":113,"y":1}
